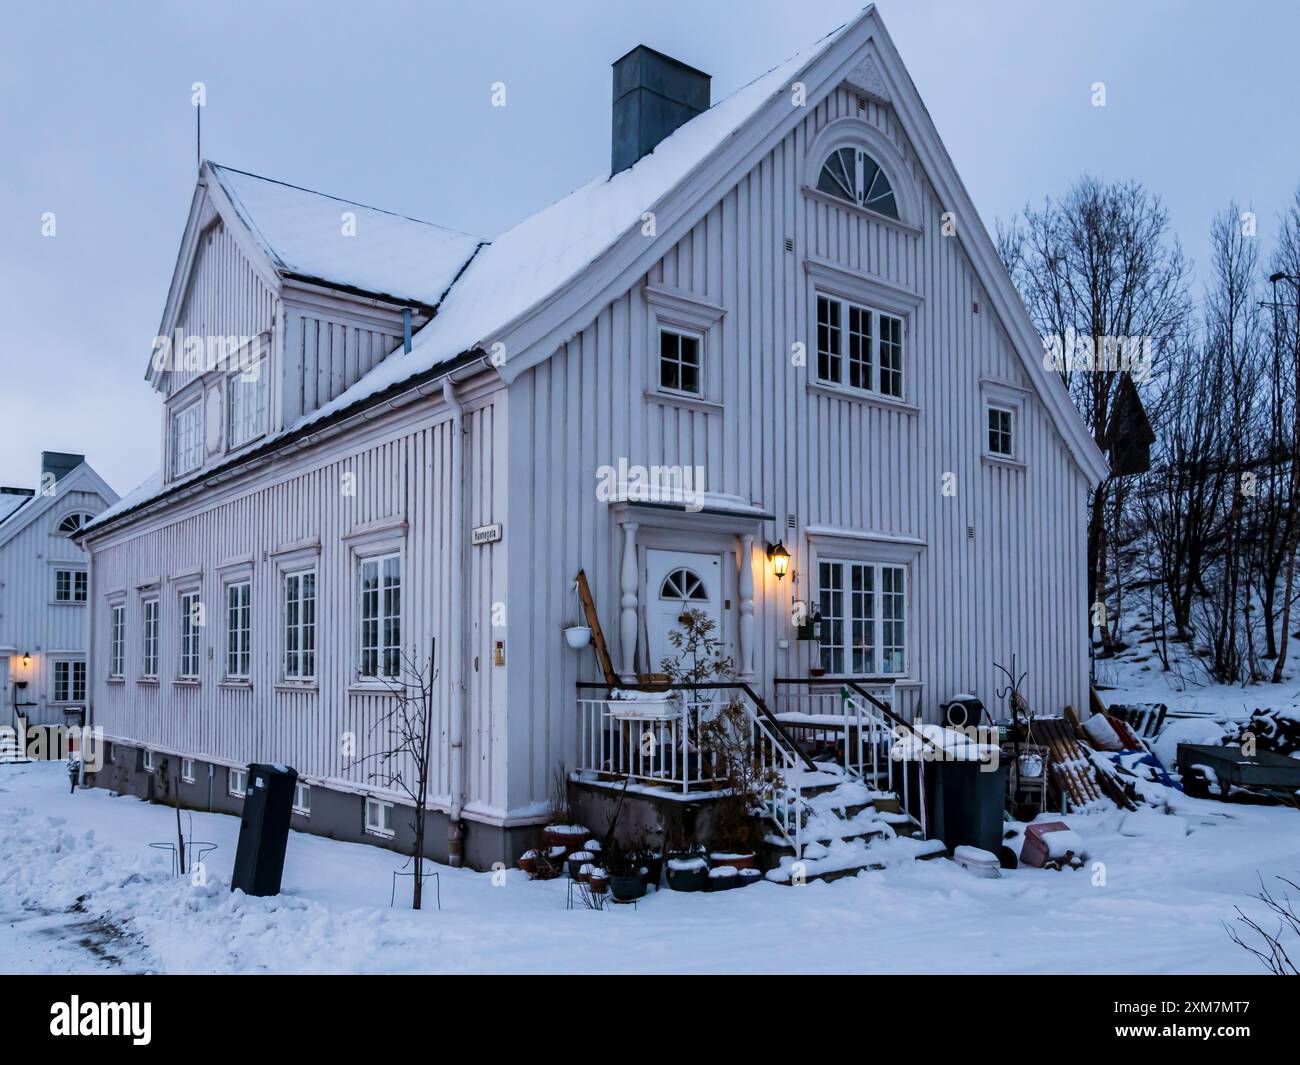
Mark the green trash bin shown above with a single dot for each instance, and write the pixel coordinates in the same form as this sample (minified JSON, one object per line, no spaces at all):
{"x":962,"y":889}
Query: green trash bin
{"x":965,"y":801}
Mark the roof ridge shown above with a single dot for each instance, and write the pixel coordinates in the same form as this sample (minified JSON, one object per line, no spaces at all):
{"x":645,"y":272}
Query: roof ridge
{"x":340,"y":199}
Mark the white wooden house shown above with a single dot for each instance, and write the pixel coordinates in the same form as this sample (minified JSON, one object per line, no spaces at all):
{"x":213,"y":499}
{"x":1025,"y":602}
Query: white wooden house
{"x":784,"y":301}
{"x":45,"y":593}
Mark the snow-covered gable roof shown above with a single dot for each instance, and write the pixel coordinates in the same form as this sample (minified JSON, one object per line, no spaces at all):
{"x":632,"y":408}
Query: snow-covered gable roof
{"x":10,"y":502}
{"x":301,"y":233}
{"x":81,"y":479}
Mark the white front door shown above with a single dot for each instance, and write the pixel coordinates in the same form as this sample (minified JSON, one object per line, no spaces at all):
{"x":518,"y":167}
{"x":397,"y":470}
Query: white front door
{"x":676,"y":581}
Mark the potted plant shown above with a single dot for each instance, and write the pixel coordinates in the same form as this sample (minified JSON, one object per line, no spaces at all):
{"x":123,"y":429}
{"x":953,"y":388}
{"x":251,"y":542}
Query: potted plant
{"x":626,"y":883}
{"x":747,"y":877}
{"x":737,"y":828}
{"x":722,"y":878}
{"x":687,"y":872}
{"x":598,"y":880}
{"x":549,"y":864}
{"x":576,"y":860}
{"x":577,"y":636}
{"x":528,"y":862}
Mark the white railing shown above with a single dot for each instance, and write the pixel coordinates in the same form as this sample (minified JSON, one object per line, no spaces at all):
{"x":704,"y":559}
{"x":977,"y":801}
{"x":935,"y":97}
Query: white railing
{"x":654,"y":739}
{"x":828,"y":712}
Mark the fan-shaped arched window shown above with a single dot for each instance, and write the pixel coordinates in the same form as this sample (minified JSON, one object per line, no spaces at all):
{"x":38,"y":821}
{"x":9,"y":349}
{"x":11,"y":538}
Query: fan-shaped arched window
{"x":683,"y":585}
{"x":72,"y":522}
{"x":851,"y":174}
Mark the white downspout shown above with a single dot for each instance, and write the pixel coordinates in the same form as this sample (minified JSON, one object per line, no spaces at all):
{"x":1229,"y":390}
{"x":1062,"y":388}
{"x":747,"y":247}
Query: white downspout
{"x":458,"y":613}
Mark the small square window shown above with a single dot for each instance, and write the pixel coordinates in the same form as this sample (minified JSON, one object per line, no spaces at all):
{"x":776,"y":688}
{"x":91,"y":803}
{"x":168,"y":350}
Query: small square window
{"x":187,"y":770}
{"x":679,"y":362}
{"x":302,"y":799}
{"x":379,"y":817}
{"x":237,"y":782}
{"x":1001,"y":442}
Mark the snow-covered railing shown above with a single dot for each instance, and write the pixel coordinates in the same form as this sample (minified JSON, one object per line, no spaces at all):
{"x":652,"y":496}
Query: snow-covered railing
{"x":822,"y":711}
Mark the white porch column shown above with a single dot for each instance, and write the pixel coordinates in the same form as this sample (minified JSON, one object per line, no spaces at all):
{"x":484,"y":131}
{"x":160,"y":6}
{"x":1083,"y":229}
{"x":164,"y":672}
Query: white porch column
{"x":746,"y":589}
{"x":627,"y":621}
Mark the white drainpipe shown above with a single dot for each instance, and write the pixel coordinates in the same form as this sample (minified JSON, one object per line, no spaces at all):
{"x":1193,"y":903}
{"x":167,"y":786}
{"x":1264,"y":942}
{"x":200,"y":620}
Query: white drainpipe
{"x":459,"y":613}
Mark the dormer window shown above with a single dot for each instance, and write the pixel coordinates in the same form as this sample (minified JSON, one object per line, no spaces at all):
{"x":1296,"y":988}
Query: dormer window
{"x":187,"y":439}
{"x":247,"y":404}
{"x":851,"y":174}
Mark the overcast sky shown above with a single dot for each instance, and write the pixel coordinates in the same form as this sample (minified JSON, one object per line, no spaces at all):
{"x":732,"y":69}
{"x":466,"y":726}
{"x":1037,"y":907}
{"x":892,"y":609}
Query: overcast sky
{"x":387,"y":103}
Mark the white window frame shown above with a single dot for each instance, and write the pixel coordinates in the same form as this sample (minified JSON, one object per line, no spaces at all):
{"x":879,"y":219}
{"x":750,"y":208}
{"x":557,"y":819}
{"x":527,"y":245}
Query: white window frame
{"x":76,"y":591}
{"x":378,"y":812}
{"x":148,"y":761}
{"x":190,"y":633}
{"x":187,"y":770}
{"x":876,"y":372}
{"x":1010,"y":398}
{"x":149,"y":634}
{"x":81,"y":516}
{"x":876,"y":619}
{"x":247,"y":421}
{"x":233,"y":775}
{"x":681,"y":335}
{"x":388,"y":656}
{"x":239,"y":637}
{"x":186,"y":440}
{"x":1009,"y":452}
{"x":69,"y":667}
{"x":298,"y":628}
{"x":116,"y":640}
{"x":689,"y":315}
{"x":302,"y":799}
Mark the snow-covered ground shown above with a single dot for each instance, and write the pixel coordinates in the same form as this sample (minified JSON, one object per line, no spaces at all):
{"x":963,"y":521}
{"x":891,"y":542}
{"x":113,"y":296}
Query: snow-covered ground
{"x":80,"y":891}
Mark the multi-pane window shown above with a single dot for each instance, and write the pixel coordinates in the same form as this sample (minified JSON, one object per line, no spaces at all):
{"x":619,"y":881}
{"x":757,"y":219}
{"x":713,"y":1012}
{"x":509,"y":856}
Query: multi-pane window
{"x":679,"y":362}
{"x":851,"y":174}
{"x":1000,"y":439}
{"x":73,"y":522}
{"x":869,"y":358}
{"x":187,"y":439}
{"x":379,"y":817}
{"x":191,"y":623}
{"x":381,"y":616}
{"x":116,"y":640}
{"x":864,"y":625}
{"x":187,"y":770}
{"x":149,"y":639}
{"x":248,"y":403}
{"x":70,"y":585}
{"x":300,"y":625}
{"x":239,"y":626}
{"x":69,"y":681}
{"x":237,"y":782}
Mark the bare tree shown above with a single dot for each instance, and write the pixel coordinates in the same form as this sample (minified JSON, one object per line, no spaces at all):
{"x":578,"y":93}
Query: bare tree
{"x":1286,"y":334}
{"x":1100,"y":264}
{"x":1269,"y":944}
{"x":405,"y":757}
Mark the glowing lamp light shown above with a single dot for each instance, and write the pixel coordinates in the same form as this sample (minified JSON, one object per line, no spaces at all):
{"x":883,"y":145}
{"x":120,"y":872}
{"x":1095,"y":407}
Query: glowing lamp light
{"x":27,"y":659}
{"x":780,"y":559}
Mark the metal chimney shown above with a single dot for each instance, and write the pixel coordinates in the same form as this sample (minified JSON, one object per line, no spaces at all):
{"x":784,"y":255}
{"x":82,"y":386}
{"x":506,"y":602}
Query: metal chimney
{"x":654,"y":94}
{"x":59,"y":463}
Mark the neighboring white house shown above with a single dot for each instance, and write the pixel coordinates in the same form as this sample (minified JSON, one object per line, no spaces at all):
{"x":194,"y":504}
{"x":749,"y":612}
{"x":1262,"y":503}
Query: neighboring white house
{"x":786,"y":299}
{"x":45,"y":592}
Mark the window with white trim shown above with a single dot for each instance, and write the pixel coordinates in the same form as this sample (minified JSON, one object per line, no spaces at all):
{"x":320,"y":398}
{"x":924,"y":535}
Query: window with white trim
{"x":117,"y":640}
{"x":300,"y":625}
{"x":70,"y":585}
{"x":69,"y":681}
{"x":858,"y":347}
{"x":380,"y":593}
{"x":191,"y":624}
{"x":73,"y":522}
{"x":379,"y":817}
{"x":237,"y":782}
{"x":187,"y":770}
{"x":187,"y":439}
{"x":1001,"y":423}
{"x":864,"y":617}
{"x":680,"y":361}
{"x":149,"y":761}
{"x":149,"y":639}
{"x":302,"y":799}
{"x":239,"y":629}
{"x":247,"y":390}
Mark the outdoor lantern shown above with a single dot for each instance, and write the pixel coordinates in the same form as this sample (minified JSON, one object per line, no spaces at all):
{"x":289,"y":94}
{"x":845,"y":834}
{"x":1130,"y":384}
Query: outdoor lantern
{"x":780,"y":558}
{"x":27,"y":659}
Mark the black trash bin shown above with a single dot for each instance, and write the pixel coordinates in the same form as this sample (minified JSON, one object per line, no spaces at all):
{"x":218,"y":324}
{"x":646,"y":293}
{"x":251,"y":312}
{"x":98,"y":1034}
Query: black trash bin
{"x":966,"y":801}
{"x":264,"y":829}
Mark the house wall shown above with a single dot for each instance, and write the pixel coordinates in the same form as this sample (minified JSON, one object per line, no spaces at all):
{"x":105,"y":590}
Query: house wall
{"x":1001,"y":566}
{"x":400,"y":465}
{"x":30,"y":621}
